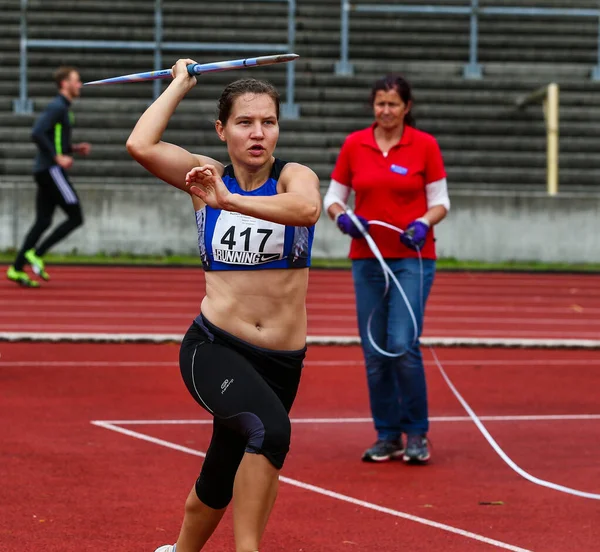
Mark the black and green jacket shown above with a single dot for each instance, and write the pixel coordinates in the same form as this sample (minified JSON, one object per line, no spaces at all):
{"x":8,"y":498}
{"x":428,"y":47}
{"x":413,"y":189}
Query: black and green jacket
{"x":52,"y":133}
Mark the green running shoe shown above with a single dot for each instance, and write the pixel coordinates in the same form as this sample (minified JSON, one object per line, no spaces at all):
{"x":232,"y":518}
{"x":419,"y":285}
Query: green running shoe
{"x":37,"y":265}
{"x":21,"y":277}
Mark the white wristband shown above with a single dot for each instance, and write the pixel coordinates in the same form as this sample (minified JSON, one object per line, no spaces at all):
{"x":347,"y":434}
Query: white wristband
{"x":424,"y":221}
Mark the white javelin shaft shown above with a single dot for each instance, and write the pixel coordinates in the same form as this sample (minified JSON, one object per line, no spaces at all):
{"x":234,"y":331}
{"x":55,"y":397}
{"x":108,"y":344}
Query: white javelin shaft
{"x":200,"y":68}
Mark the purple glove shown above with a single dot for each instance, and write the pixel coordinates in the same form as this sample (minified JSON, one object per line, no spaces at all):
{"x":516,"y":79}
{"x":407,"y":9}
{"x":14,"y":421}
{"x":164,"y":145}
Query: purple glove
{"x":415,"y":234}
{"x":346,"y":225}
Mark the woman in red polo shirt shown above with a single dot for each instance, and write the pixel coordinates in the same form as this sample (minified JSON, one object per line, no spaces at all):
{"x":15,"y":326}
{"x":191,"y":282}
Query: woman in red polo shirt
{"x":398,"y":177}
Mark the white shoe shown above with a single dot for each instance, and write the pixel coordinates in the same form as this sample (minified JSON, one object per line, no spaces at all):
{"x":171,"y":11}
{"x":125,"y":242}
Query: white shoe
{"x":166,"y":548}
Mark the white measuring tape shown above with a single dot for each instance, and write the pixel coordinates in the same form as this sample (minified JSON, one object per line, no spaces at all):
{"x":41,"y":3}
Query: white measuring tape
{"x":387,"y":271}
{"x":387,"y":274}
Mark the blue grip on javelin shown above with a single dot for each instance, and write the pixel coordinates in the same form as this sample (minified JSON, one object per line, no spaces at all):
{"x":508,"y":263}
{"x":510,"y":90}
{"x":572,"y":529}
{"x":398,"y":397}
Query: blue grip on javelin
{"x":198,"y":69}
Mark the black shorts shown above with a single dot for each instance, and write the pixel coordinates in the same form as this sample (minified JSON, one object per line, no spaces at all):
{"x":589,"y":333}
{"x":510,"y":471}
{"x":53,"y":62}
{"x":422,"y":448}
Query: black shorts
{"x":55,"y":188}
{"x":248,"y":390}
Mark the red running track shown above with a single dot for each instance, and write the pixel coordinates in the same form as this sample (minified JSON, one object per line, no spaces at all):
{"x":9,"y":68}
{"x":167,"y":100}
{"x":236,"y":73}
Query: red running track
{"x":164,"y":300}
{"x":70,"y":486}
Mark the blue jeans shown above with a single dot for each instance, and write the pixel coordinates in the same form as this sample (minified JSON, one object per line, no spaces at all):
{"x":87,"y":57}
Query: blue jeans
{"x":397,"y":387}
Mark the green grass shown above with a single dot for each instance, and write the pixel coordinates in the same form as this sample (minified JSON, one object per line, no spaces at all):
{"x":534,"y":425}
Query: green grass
{"x":193,"y":260}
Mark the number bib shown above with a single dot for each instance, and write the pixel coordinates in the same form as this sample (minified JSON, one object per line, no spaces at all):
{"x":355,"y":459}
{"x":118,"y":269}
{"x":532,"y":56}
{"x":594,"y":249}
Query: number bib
{"x":244,"y":240}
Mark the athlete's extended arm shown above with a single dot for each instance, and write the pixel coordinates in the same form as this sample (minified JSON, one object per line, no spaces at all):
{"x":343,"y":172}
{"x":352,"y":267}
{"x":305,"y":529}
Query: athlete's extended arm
{"x":299,"y":203}
{"x":166,"y":161}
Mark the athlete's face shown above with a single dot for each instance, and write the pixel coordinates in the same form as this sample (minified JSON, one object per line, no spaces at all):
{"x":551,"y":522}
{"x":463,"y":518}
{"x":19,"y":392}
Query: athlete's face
{"x":252,"y":130}
{"x":389,"y":109}
{"x":72,"y":85}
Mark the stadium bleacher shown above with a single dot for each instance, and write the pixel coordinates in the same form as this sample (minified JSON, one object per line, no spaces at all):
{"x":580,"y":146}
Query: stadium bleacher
{"x":486,"y":141}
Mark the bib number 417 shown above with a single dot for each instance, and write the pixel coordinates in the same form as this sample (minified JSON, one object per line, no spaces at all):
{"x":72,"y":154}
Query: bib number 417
{"x":243,"y":240}
{"x":229,"y":240}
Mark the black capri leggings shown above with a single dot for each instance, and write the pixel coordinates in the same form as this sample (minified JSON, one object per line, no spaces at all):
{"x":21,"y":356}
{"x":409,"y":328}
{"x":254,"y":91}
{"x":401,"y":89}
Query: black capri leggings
{"x":249,"y":391}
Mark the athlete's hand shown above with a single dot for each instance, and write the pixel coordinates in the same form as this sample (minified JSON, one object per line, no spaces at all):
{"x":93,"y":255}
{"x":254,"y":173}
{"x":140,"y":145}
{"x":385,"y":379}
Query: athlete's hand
{"x":179,"y":72}
{"x":83,"y":148}
{"x":205,"y":183}
{"x":64,"y":161}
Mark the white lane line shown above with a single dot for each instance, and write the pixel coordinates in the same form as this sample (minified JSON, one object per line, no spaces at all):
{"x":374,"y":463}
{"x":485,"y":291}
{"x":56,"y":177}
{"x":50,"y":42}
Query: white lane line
{"x":326,"y":492}
{"x":467,"y":363}
{"x":436,"y":419}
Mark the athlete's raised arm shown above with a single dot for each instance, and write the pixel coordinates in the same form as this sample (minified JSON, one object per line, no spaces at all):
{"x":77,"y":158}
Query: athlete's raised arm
{"x":297,"y":204}
{"x":164,"y":160}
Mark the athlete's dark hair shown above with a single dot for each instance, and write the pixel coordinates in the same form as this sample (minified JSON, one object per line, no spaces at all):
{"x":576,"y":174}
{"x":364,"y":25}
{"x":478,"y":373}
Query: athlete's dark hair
{"x":245,"y":86}
{"x":400,"y":85}
{"x":62,"y":73}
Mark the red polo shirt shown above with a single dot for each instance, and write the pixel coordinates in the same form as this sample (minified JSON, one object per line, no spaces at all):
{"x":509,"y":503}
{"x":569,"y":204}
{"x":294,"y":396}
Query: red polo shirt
{"x":390,"y":189}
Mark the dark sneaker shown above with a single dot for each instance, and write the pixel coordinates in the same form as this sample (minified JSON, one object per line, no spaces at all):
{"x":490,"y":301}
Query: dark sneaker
{"x":383,"y":450}
{"x":417,"y":449}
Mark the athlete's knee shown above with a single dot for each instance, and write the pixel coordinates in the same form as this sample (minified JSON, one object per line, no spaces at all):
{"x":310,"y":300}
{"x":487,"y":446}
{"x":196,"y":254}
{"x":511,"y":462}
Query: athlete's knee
{"x":76,"y":218}
{"x":194,"y":506}
{"x":214,"y":488}
{"x":43,"y":223}
{"x":274,"y":443}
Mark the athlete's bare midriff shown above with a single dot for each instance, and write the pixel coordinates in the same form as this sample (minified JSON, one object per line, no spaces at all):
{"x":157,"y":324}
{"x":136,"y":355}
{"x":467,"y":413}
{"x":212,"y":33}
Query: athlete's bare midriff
{"x":263,"y":307}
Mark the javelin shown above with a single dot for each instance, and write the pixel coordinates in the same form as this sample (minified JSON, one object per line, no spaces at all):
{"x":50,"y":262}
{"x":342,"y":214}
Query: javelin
{"x":198,"y":69}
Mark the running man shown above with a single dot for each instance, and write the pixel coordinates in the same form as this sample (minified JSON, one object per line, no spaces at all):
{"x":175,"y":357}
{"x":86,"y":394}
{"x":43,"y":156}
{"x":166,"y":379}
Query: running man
{"x":52,"y":135}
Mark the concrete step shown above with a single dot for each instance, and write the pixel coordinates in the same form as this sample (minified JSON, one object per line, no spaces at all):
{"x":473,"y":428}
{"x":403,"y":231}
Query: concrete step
{"x":88,"y":123}
{"x":115,"y":172}
{"x":228,"y":8}
{"x":434,"y":39}
{"x":461,"y":176}
{"x":118,"y":153}
{"x":525,"y":26}
{"x":194,"y":138}
{"x":135,"y":31}
{"x":95,"y":99}
{"x":456,"y":189}
{"x":453,"y":158}
{"x":145,"y":18}
{"x":121,"y":173}
{"x":90,"y":112}
{"x":438,"y":74}
{"x":547,"y":48}
{"x":198,"y":139}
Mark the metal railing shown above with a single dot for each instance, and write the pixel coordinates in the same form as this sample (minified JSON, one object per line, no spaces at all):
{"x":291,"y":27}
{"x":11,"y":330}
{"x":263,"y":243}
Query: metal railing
{"x":548,"y":95}
{"x":289,"y":109}
{"x":472,"y":69}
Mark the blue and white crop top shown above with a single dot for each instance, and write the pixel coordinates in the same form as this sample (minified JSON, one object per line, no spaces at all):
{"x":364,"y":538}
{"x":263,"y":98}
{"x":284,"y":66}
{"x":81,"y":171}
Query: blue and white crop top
{"x":232,"y":241}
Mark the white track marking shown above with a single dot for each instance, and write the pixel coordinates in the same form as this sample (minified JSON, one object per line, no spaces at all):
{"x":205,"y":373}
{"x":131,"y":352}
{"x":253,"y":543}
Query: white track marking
{"x":183,"y":315}
{"x":500,"y":335}
{"x":436,"y":419}
{"x":467,"y":363}
{"x":89,"y":363}
{"x":325,"y":492}
{"x":441,"y":321}
{"x":502,"y":342}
